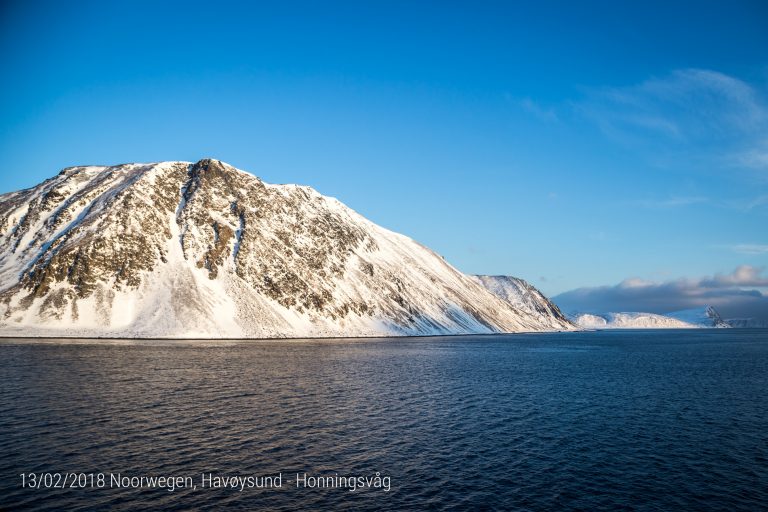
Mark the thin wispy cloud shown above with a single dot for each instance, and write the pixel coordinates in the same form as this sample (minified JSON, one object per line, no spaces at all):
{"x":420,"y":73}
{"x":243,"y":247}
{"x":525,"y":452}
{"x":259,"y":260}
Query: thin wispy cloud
{"x":694,"y":114}
{"x":671,"y":202}
{"x":542,"y":113}
{"x":754,"y":158}
{"x":748,"y":204}
{"x":737,"y":294}
{"x":599,"y":236}
{"x":750,"y":249}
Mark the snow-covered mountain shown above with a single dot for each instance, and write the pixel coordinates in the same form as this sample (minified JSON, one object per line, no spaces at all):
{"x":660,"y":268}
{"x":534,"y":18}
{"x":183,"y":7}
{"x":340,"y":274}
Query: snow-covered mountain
{"x":522,"y":295}
{"x":177,"y":249}
{"x":706,"y":317}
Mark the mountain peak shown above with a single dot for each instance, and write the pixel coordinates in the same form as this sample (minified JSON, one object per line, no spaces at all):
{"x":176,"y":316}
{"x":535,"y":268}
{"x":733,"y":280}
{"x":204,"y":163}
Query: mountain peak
{"x":212,"y":164}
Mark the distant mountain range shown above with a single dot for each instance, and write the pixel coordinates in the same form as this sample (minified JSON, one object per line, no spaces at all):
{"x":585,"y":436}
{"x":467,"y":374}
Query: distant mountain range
{"x":706,"y":317}
{"x":179,"y":249}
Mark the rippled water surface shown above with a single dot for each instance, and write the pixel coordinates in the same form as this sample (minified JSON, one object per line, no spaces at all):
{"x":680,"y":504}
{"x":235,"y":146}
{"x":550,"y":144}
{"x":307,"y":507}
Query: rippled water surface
{"x":666,"y":420}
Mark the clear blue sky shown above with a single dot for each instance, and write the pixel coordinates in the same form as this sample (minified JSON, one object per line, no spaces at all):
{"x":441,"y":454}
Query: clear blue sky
{"x":572,"y":145}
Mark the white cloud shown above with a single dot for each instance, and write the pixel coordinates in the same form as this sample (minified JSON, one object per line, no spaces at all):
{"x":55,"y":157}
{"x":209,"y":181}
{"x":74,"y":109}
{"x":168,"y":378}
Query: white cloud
{"x":744,"y":275}
{"x":635,"y":282}
{"x":737,"y":294}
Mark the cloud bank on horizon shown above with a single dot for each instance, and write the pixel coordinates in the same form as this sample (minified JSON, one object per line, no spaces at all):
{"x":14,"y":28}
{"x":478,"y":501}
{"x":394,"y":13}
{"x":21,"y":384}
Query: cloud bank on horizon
{"x":740,"y":294}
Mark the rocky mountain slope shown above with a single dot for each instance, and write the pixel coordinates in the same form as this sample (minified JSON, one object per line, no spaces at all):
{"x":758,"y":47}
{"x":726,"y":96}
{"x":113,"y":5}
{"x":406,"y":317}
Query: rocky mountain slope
{"x":706,"y":317}
{"x":176,"y":249}
{"x":522,"y":295}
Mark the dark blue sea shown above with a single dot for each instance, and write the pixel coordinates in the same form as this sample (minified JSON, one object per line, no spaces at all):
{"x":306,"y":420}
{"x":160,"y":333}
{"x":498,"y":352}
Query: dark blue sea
{"x":630,"y":420}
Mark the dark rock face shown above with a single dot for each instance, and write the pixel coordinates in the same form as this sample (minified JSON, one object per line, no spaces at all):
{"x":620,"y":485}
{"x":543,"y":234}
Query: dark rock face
{"x":105,"y":249}
{"x":285,"y":243}
{"x":717,"y":320}
{"x":82,"y":230}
